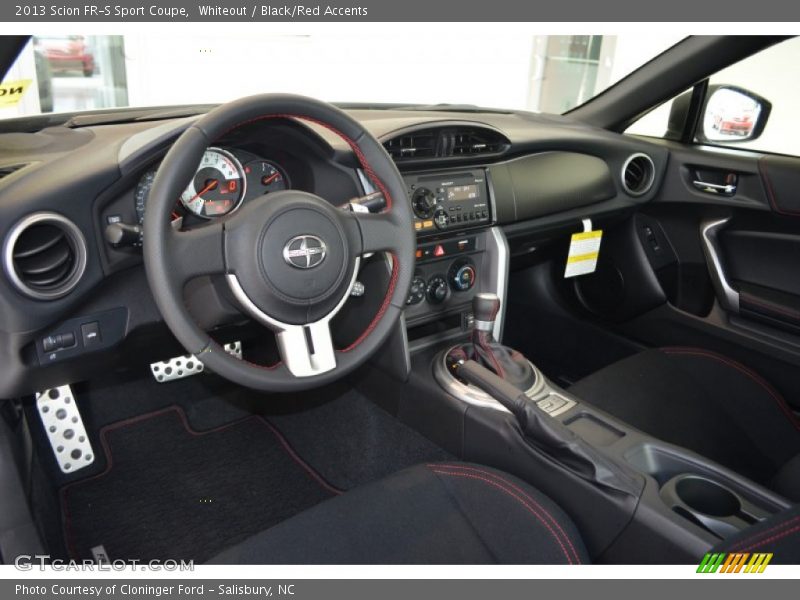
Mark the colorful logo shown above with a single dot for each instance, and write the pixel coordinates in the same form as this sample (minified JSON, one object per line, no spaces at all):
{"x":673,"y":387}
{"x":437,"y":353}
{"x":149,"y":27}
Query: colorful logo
{"x":737,"y":562}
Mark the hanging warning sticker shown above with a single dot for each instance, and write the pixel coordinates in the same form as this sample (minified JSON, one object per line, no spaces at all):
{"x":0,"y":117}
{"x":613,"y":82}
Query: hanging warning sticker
{"x":11,"y":92}
{"x":584,"y":249}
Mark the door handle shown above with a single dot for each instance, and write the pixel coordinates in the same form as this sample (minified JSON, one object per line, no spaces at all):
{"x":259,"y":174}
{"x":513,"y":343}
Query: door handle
{"x":727,"y":295}
{"x":728,"y":189}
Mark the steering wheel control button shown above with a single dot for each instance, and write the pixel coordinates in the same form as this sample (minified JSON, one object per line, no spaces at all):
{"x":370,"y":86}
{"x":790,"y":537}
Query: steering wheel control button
{"x":66,"y":433}
{"x":305,"y":251}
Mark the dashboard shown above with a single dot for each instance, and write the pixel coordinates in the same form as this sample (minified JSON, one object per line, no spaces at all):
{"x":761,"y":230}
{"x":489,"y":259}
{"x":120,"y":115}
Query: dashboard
{"x":73,"y":295}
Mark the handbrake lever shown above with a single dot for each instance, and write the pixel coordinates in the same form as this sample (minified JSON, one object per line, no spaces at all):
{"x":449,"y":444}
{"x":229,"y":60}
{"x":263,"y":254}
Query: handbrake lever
{"x":549,"y":434}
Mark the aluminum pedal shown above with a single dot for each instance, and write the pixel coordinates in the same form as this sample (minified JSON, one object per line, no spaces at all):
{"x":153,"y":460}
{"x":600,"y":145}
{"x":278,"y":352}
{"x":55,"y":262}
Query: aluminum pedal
{"x":187,"y":365}
{"x":64,"y":427}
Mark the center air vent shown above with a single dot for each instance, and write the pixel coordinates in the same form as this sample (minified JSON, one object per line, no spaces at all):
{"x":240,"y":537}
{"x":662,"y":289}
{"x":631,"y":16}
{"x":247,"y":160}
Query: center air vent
{"x":638,"y":174}
{"x":412,"y":145}
{"x":44,"y":256}
{"x":452,"y":141}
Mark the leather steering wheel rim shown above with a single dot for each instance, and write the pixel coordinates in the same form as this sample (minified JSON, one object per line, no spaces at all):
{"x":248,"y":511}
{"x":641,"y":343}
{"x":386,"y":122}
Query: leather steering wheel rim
{"x":229,"y":244}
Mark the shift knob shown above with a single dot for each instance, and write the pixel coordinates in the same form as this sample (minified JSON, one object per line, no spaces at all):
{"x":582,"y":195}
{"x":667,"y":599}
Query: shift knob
{"x":484,"y":309}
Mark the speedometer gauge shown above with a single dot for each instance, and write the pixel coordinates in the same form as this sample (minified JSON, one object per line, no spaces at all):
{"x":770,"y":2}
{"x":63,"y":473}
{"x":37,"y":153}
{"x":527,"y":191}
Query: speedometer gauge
{"x":218,"y":186}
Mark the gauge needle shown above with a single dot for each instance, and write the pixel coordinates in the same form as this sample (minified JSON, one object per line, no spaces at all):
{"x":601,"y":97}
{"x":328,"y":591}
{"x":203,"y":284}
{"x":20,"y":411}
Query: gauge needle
{"x":270,"y":179}
{"x":208,"y":188}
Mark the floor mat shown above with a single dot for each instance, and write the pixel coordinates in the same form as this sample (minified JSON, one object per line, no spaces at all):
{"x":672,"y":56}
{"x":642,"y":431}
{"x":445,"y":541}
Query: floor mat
{"x":351,"y":442}
{"x":171,"y":492}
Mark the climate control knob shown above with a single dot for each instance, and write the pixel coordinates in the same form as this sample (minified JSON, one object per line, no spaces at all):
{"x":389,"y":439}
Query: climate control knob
{"x":423,"y":201}
{"x":437,"y":289}
{"x":418,"y":291}
{"x":462,"y":275}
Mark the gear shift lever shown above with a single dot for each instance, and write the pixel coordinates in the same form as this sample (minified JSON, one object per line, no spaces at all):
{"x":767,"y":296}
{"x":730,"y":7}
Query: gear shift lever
{"x":507,"y":364}
{"x":485,"y":308}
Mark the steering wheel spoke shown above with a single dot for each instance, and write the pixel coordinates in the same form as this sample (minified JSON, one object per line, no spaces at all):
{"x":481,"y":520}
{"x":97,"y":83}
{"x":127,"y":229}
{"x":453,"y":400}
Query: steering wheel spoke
{"x":196,"y":252}
{"x":307,"y":350}
{"x":376,"y":232}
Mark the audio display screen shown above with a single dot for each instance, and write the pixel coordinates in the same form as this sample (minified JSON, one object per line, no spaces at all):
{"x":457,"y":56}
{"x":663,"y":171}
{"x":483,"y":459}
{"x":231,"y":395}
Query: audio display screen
{"x":459,"y":193}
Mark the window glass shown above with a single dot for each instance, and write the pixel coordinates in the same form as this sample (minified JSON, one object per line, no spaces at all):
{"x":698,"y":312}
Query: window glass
{"x":515,"y":70}
{"x":773,"y":74}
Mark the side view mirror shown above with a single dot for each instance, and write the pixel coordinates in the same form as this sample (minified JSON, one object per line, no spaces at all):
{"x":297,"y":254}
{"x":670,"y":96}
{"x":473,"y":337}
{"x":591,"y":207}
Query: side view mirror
{"x":732,"y":114}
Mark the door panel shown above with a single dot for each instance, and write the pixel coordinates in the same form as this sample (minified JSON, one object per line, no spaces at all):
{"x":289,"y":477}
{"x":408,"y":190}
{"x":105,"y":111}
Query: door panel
{"x":729,"y":260}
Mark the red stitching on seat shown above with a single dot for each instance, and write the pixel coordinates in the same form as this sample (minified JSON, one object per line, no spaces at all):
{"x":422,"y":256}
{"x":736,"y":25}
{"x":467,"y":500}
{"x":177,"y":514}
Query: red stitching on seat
{"x":511,"y":484}
{"x":773,"y":538}
{"x":752,"y":538}
{"x":438,"y":469}
{"x":744,"y":370}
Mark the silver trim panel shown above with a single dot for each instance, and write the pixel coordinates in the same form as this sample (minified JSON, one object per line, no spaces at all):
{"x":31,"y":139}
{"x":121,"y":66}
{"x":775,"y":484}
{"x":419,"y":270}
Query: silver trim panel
{"x":497,"y":249}
{"x":541,"y":392}
{"x":727,"y":296}
{"x":306,"y":350}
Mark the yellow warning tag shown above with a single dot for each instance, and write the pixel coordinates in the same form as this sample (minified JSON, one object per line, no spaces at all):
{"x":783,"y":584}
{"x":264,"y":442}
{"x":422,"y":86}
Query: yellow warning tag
{"x":11,"y":92}
{"x":584,"y":249}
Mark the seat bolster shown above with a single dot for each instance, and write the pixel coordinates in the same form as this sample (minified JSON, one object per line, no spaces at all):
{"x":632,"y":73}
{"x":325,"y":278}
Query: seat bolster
{"x":779,"y":535}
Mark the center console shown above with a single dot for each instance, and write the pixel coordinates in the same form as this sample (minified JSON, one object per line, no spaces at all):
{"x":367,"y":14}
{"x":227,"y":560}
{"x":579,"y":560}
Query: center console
{"x":459,"y":254}
{"x":633,"y":497}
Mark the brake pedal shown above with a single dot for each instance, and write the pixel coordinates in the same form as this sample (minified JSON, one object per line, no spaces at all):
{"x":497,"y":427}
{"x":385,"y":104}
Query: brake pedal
{"x":187,"y":365}
{"x":64,"y":427}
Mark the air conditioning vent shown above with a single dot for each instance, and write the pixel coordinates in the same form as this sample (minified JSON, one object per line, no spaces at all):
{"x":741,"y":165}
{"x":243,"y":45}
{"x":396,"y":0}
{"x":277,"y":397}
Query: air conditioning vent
{"x":44,"y":256}
{"x":638,"y":174}
{"x":446,"y":142}
{"x":9,"y":169}
{"x":472,"y":142}
{"x":413,"y":145}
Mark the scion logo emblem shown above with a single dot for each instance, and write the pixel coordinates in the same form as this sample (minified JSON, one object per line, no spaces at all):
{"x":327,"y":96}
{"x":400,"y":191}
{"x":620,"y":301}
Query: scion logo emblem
{"x":304,"y":251}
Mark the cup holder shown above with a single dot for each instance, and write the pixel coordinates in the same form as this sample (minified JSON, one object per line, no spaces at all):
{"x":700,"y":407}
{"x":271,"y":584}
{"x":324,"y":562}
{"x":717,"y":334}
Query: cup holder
{"x":709,"y":504}
{"x":707,"y":497}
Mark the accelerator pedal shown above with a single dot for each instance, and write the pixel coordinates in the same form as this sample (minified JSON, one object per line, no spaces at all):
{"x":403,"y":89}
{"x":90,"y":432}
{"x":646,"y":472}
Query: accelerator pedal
{"x":64,"y":427}
{"x":187,"y":365}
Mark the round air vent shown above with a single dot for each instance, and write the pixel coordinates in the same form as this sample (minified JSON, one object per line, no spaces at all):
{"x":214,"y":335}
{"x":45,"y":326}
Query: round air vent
{"x":44,"y":256}
{"x":638,"y":174}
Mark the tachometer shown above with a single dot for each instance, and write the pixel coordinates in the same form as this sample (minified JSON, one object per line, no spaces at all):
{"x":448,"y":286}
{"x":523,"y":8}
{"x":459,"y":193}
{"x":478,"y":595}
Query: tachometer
{"x":218,"y":186}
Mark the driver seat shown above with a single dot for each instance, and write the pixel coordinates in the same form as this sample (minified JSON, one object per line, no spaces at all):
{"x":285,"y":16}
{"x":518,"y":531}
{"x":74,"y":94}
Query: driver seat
{"x":443,"y":513}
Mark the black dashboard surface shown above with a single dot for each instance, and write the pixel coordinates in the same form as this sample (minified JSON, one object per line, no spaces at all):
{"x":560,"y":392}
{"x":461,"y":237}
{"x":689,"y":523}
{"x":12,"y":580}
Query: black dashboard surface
{"x":553,"y":171}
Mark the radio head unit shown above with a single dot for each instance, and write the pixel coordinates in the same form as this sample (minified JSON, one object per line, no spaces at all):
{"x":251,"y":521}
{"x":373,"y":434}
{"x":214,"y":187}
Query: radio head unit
{"x":449,"y":201}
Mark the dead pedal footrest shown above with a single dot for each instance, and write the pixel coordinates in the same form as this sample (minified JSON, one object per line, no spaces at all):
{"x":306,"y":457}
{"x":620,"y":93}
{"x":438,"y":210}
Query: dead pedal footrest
{"x":64,"y":427}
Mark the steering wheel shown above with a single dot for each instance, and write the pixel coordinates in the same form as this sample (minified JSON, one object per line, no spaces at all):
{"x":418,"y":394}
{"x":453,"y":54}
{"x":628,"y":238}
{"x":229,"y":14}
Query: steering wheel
{"x":290,"y":258}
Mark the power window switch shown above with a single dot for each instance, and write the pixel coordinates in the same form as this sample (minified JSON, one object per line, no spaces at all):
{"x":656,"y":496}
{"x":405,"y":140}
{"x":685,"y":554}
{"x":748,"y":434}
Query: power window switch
{"x":90,"y":332}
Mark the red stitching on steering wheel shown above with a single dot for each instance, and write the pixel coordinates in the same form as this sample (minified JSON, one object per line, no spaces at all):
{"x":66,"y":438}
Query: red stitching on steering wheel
{"x":362,"y":159}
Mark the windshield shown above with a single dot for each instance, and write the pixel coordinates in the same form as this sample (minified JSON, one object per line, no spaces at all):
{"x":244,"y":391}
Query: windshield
{"x":552,"y":74}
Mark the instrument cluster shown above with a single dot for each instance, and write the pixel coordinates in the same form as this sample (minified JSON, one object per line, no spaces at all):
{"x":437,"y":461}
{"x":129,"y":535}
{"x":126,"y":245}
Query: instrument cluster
{"x":225,"y":179}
